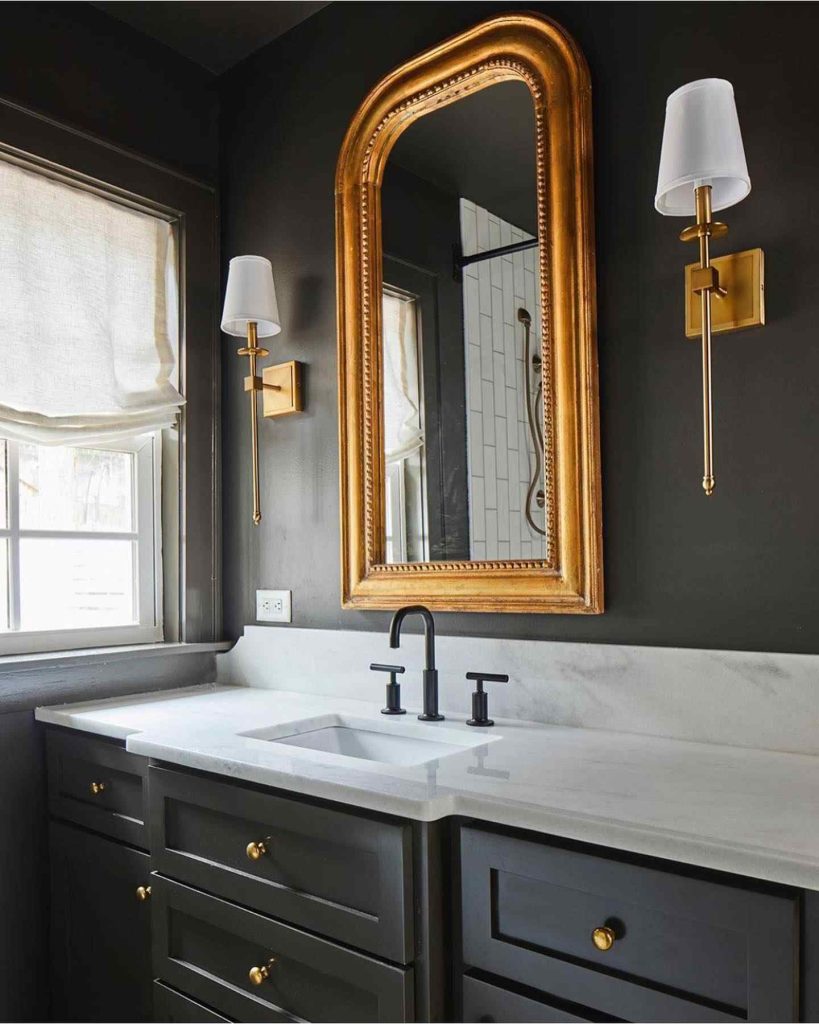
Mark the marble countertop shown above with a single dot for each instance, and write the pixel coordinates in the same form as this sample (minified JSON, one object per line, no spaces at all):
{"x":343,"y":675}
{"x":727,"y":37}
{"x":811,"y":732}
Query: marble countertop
{"x":750,"y":812}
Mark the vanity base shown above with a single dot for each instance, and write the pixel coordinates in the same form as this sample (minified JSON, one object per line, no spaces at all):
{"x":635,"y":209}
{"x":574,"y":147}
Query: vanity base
{"x":255,"y":904}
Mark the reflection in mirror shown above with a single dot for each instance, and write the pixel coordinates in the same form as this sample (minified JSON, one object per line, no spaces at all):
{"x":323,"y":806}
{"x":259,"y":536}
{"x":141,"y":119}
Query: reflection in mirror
{"x":462,"y":381}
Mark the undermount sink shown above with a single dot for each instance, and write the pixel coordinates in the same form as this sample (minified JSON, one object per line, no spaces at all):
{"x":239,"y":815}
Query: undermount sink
{"x":388,"y":743}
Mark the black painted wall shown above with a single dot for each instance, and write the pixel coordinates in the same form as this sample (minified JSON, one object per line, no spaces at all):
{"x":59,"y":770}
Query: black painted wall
{"x":89,"y":70}
{"x":735,"y":571}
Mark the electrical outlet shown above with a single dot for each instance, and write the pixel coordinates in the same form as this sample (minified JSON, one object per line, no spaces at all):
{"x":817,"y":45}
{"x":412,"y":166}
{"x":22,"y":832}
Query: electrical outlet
{"x":273,"y":606}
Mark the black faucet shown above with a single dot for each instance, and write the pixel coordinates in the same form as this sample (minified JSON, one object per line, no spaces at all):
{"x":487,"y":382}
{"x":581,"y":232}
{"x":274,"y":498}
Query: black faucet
{"x":430,"y":713}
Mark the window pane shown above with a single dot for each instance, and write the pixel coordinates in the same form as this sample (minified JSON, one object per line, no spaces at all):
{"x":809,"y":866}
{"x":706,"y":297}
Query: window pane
{"x":4,"y":496}
{"x":4,"y":585}
{"x":74,"y":584}
{"x":75,"y":489}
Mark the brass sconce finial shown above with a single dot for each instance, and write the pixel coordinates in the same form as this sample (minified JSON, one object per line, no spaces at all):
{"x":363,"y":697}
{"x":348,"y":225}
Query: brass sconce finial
{"x":251,"y":309}
{"x":702,"y":165}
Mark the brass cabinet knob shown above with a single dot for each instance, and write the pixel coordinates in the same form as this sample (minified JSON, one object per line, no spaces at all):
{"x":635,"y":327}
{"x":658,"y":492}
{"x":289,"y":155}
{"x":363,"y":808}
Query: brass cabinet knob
{"x":143,"y":893}
{"x":258,"y":975}
{"x":255,"y":851}
{"x":97,"y":788}
{"x":603,"y":938}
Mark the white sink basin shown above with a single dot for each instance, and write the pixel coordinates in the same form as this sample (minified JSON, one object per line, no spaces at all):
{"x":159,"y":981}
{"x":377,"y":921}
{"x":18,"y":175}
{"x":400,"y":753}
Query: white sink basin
{"x":398,"y":743}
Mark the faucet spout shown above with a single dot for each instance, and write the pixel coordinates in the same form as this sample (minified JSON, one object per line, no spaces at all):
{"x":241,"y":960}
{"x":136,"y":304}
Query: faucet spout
{"x":430,"y":713}
{"x":429,"y":630}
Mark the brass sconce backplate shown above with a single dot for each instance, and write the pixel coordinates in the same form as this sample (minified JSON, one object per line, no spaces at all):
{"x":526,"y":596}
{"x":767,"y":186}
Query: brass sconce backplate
{"x":281,"y":395}
{"x":742,"y":275}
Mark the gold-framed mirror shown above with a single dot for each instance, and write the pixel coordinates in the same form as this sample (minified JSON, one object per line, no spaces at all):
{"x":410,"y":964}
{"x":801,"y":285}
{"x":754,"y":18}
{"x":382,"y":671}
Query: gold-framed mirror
{"x":468,"y":397}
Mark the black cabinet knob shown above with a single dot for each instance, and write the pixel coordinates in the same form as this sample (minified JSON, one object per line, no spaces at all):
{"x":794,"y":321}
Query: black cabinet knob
{"x":393,"y":688}
{"x":480,"y":700}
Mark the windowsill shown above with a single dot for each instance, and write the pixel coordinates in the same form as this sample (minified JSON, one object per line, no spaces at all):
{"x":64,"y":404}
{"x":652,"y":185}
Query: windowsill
{"x":104,"y":655}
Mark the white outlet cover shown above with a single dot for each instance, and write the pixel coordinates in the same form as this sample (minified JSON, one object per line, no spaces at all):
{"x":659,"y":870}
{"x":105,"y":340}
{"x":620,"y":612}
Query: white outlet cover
{"x":273,"y":606}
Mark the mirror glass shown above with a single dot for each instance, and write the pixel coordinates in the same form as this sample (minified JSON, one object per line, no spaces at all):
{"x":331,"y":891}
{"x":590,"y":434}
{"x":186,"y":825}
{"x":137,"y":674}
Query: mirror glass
{"x":461,"y":356}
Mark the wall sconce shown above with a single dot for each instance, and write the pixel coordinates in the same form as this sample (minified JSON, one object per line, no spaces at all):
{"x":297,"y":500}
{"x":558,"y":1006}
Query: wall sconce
{"x":703,"y":169}
{"x":251,"y":311}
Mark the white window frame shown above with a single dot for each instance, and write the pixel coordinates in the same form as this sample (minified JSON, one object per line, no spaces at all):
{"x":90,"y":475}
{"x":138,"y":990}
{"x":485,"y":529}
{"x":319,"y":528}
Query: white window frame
{"x":147,"y":557}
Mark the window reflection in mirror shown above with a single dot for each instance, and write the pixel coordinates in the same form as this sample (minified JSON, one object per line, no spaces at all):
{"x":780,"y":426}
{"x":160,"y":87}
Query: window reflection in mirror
{"x":407,"y":538}
{"x":462,"y":383}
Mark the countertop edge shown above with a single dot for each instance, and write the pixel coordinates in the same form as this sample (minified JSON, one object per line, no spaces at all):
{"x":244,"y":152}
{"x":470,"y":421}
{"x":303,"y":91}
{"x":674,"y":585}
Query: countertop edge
{"x":756,"y":863}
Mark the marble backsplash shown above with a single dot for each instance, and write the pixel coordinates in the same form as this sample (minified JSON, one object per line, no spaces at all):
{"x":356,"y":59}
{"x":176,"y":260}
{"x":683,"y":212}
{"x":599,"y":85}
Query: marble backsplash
{"x":738,"y":698}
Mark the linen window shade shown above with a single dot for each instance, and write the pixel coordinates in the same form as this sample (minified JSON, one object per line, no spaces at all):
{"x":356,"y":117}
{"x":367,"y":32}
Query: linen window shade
{"x":403,"y":433}
{"x":88,"y":314}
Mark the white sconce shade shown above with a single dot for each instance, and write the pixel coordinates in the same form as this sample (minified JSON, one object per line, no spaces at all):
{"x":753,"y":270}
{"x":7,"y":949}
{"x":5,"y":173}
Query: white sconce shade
{"x":250,"y":297}
{"x":702,"y":145}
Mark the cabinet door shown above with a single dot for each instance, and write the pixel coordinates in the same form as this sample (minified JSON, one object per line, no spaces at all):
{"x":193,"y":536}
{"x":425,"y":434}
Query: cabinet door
{"x":101,"y":939}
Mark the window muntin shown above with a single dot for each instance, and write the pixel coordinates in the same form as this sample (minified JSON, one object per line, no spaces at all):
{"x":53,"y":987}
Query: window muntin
{"x":79,"y":545}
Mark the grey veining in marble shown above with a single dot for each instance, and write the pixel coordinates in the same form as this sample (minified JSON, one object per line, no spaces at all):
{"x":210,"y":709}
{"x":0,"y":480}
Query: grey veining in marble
{"x":758,"y":700}
{"x":751,"y":812}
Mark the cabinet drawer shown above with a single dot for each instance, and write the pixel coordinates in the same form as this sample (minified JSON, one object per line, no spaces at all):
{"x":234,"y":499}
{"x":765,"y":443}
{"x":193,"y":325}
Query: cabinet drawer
{"x":684,"y":948}
{"x":206,"y":947}
{"x":495,"y":1005}
{"x":171,"y":1007}
{"x":339,"y":874}
{"x":97,"y":783}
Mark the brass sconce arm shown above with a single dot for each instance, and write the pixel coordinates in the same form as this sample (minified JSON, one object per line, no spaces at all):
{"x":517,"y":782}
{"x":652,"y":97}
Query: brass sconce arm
{"x":254,"y":383}
{"x":740,"y":305}
{"x":705,"y":281}
{"x":289,"y":401}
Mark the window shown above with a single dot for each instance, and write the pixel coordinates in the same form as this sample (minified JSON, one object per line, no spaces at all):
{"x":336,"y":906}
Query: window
{"x":79,"y":545}
{"x":89,"y":282}
{"x":406,"y":538}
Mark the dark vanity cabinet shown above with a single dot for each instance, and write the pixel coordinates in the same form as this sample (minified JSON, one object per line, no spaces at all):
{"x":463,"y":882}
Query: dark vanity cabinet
{"x":180,"y":896}
{"x":252,"y":905}
{"x":100,"y":878}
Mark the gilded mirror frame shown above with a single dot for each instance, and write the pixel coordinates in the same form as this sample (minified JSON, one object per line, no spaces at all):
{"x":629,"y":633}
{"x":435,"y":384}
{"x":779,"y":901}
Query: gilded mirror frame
{"x":536,"y":51}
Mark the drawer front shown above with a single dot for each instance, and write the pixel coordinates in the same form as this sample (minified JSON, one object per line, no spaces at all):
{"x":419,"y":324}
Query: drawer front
{"x":206,"y":947}
{"x":171,"y":1007}
{"x":684,"y":948}
{"x":98,"y":784}
{"x":335,"y":873}
{"x":492,"y":1004}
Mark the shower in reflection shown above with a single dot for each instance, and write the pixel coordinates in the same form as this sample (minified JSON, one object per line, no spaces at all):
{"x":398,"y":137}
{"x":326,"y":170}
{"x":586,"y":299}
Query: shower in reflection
{"x":534,"y":417}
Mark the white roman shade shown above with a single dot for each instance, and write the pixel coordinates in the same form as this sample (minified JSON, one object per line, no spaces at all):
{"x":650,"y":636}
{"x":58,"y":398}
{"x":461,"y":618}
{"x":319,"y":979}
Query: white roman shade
{"x":88,"y":314}
{"x":403,"y":433}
